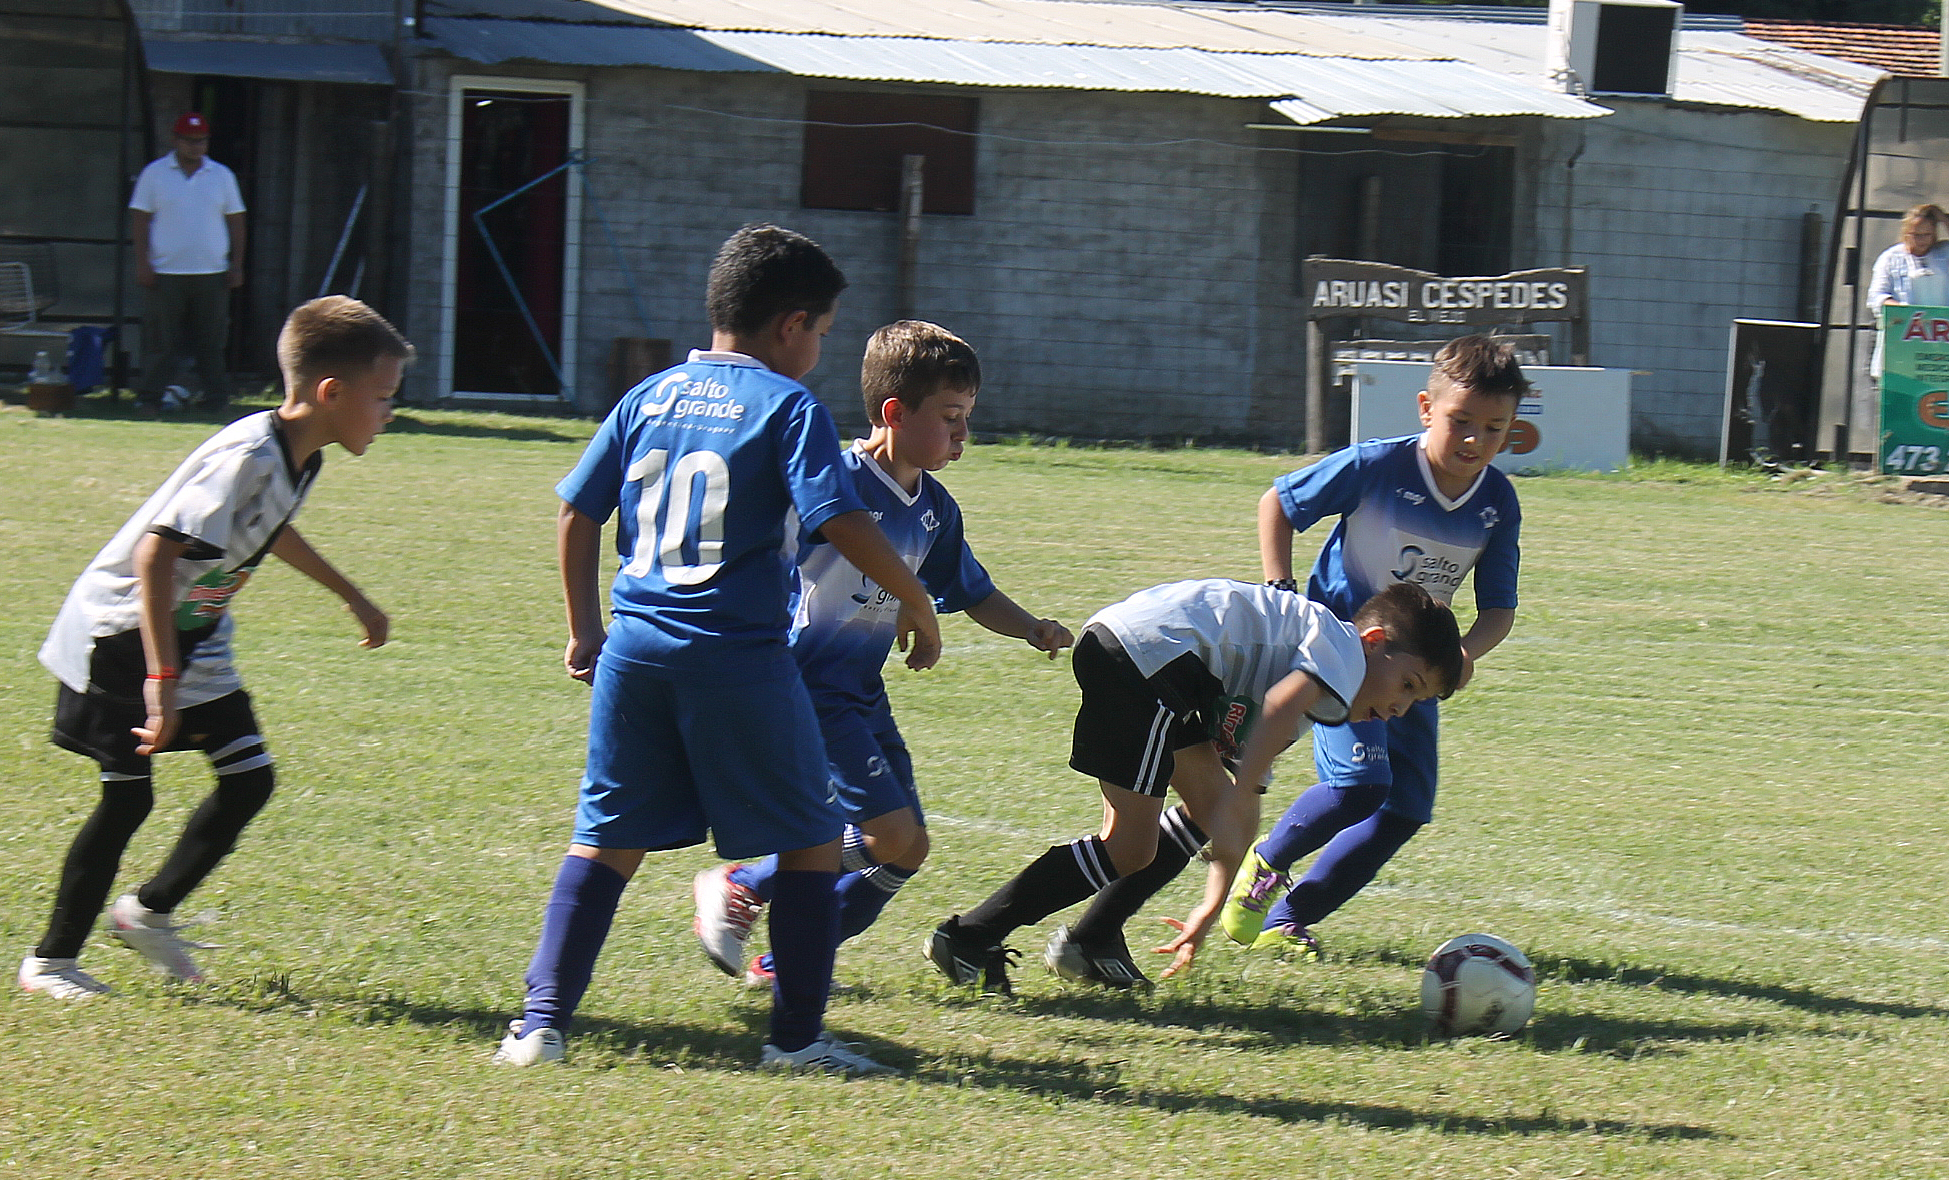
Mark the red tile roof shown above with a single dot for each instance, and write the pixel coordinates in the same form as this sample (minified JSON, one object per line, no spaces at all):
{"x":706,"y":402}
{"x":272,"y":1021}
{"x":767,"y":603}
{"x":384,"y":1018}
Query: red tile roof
{"x":1899,"y":49}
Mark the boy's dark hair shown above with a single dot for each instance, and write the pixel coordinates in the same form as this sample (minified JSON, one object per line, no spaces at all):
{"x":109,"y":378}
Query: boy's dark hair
{"x":1480,"y":364}
{"x":762,"y":272}
{"x":1417,"y":625}
{"x":335,"y":335}
{"x":911,"y":359}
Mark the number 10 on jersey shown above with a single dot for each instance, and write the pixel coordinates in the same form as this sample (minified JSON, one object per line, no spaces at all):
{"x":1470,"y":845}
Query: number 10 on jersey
{"x":670,"y":491}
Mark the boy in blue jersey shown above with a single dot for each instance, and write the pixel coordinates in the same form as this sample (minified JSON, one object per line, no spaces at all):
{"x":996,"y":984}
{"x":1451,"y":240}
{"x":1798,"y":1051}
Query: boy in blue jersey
{"x":1424,"y":509}
{"x":699,"y":723}
{"x":1169,"y":677}
{"x":919,"y":382}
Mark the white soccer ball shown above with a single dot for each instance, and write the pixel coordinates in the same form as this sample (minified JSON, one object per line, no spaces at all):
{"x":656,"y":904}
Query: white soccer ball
{"x":1477,"y":985}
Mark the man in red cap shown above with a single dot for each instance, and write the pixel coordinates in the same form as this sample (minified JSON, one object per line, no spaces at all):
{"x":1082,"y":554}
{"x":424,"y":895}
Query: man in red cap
{"x":188,"y":223}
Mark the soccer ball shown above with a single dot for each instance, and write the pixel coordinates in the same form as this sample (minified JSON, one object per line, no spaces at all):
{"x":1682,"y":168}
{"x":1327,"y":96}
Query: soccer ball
{"x":1477,"y":985}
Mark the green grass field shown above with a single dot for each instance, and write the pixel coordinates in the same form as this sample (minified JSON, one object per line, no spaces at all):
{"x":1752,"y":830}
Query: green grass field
{"x":1700,"y":786}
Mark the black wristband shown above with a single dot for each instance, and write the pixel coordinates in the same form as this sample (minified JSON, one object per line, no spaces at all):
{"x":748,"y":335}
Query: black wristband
{"x":1284,"y":584}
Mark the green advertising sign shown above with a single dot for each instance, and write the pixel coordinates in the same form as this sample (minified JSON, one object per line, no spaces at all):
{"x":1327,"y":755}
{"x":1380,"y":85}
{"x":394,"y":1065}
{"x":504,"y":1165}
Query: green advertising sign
{"x":1914,"y":389}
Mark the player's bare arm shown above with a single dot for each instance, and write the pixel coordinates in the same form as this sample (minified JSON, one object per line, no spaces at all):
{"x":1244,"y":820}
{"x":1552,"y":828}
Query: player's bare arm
{"x":861,"y":542}
{"x":155,"y":565}
{"x":1002,"y":615}
{"x":1490,"y":628}
{"x":293,"y":550}
{"x":1219,"y":804}
{"x":1275,"y":538}
{"x":578,"y":551}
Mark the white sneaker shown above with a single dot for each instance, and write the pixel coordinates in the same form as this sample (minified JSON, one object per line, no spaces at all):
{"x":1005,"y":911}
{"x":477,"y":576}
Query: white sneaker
{"x":153,"y":936}
{"x":725,"y":913}
{"x":544,"y":1046}
{"x":59,"y":978}
{"x":828,"y":1054}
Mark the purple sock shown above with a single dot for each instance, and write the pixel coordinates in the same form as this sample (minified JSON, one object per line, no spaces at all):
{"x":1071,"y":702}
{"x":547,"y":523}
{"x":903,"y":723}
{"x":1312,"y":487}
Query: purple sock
{"x":759,"y":878}
{"x":573,"y":928}
{"x":1350,"y":861}
{"x":804,"y":924}
{"x":1318,"y":815}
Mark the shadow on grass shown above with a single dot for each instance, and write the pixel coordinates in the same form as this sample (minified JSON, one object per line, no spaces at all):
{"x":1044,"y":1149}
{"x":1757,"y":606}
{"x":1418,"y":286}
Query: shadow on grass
{"x":1099,"y":1083}
{"x":1249,"y":1026}
{"x":1567,"y":970}
{"x":405,"y":423}
{"x":598,"y":1041}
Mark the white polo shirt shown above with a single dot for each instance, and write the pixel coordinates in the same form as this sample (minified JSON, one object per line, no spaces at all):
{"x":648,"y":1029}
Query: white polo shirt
{"x":187,"y":234}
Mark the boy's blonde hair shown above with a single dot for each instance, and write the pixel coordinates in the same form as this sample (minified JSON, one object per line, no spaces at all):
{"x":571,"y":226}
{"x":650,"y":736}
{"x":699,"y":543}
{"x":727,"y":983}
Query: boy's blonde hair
{"x":334,"y":336}
{"x":1479,"y":364}
{"x":911,"y":359}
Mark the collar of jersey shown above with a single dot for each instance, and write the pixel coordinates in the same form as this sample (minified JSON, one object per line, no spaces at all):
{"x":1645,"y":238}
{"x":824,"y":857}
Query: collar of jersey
{"x":1428,"y":477}
{"x":705,"y":356}
{"x":893,"y":485}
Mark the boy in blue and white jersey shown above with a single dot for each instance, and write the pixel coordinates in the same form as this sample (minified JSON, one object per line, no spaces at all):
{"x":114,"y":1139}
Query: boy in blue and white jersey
{"x":919,"y":383}
{"x":699,"y":723}
{"x":1424,"y":509}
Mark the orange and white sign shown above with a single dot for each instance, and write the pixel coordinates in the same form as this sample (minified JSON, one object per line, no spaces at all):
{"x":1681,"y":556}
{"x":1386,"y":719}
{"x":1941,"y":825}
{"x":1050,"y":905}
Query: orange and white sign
{"x":1578,"y":418}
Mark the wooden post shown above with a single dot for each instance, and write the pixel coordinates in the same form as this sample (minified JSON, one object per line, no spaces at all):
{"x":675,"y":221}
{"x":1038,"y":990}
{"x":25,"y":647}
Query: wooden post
{"x":912,"y":190}
{"x":1318,"y":358}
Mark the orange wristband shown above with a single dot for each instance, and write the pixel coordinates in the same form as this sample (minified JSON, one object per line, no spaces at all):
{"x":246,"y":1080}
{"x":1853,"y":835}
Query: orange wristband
{"x":163,"y":674}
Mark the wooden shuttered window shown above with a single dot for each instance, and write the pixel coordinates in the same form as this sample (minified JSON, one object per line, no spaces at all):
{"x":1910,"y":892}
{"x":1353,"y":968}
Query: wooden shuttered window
{"x":854,"y":142}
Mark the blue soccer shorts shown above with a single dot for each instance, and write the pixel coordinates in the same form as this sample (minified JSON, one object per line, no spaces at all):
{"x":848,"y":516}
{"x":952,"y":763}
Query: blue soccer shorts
{"x":869,"y":765}
{"x":673,"y":755}
{"x":1400,"y":753}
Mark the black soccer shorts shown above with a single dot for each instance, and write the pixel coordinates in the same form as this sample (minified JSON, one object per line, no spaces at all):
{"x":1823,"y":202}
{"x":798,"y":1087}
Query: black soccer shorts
{"x":1129,"y":725}
{"x":98,"y":723}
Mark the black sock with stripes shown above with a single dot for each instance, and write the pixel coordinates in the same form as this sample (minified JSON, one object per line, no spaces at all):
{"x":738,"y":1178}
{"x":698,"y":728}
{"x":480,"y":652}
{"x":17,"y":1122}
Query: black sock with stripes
{"x":1056,"y":880}
{"x":1178,"y":840}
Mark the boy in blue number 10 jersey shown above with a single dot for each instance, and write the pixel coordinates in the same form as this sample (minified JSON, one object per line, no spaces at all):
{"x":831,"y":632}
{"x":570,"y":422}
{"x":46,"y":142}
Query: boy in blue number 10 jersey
{"x":699,"y":723}
{"x":919,"y":382}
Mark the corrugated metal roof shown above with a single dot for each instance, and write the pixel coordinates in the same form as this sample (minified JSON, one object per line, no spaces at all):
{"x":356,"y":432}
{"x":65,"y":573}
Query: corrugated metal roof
{"x":1325,"y":88}
{"x":1044,"y":22}
{"x":357,"y":64}
{"x":1189,"y":47}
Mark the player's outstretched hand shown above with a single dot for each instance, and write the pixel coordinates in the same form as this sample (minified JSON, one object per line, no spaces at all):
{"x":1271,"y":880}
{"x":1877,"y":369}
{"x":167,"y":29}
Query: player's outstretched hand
{"x":580,"y":658}
{"x":1050,"y":636}
{"x":1182,"y":949}
{"x":159,"y":696}
{"x":920,"y":637}
{"x":378,"y":628}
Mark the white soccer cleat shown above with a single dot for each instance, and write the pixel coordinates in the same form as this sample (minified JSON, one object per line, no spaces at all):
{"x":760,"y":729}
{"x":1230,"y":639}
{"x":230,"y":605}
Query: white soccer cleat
{"x":828,"y":1054}
{"x":544,"y":1046}
{"x":154,"y":937}
{"x":726,"y":911}
{"x":60,"y":978}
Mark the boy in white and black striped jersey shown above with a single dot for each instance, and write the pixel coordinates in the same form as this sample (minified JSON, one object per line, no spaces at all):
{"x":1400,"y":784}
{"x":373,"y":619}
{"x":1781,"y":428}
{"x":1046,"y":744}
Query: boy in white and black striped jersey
{"x":1172,"y":679}
{"x":142,"y":643}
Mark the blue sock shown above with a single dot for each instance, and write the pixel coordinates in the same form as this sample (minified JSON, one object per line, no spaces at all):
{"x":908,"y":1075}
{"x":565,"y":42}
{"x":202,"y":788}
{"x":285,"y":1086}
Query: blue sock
{"x":804,"y":923}
{"x":757,"y":877}
{"x":1318,"y":815}
{"x":1351,"y":860}
{"x":573,"y":929}
{"x":864,"y":894}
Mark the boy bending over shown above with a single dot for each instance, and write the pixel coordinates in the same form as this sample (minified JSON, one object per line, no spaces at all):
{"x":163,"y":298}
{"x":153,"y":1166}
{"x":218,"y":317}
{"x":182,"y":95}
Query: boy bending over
{"x":699,"y":723}
{"x":1165,"y":672}
{"x":142,"y":644}
{"x":1423,"y":509}
{"x":920,"y":383}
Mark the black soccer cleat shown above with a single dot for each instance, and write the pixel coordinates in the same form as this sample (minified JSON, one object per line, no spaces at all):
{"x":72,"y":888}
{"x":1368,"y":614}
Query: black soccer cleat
{"x":1108,"y":965}
{"x":970,"y":962}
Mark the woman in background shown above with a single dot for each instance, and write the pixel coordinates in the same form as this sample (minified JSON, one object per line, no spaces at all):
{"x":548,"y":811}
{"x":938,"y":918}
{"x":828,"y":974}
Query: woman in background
{"x":1913,"y":271}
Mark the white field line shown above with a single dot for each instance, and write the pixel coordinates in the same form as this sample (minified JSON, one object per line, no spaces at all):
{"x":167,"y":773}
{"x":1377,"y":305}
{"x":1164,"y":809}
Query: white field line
{"x":1604,"y":909}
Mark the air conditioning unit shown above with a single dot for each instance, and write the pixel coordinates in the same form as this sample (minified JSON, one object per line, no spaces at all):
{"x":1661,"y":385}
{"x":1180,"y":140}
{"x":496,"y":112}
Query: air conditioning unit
{"x":1614,"y":46}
